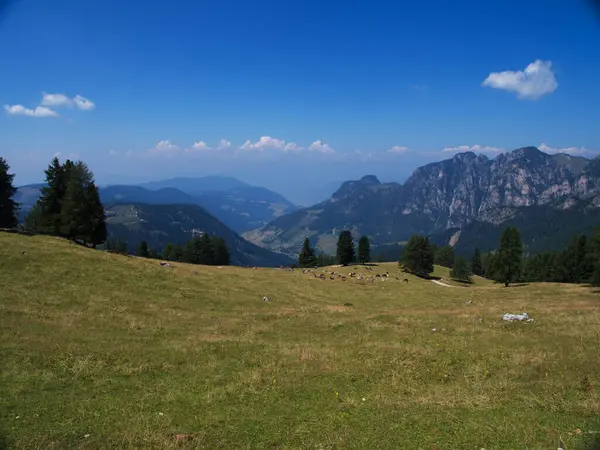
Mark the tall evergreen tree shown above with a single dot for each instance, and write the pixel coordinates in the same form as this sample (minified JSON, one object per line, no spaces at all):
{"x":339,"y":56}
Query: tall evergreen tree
{"x":8,"y":207}
{"x":417,"y":256}
{"x":445,"y":256}
{"x":75,"y":210}
{"x":172,"y":252}
{"x":222,"y":256}
{"x":96,"y":230}
{"x":345,"y":248}
{"x":364,"y":250}
{"x":306,"y":257}
{"x":207,"y":252}
{"x":476,"y":263}
{"x":510,"y":256}
{"x":460,"y":270}
{"x":142,"y":250}
{"x":49,"y":205}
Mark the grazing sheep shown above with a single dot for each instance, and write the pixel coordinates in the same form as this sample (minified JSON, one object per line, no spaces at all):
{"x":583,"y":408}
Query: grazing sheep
{"x":406,"y":280}
{"x":266,"y":299}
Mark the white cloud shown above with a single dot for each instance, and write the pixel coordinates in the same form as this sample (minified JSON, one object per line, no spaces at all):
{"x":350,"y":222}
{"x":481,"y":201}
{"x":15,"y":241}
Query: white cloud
{"x":474,"y":148}
{"x":319,"y":146}
{"x":267,"y":142}
{"x":55,"y":99}
{"x":570,"y":150}
{"x":112,"y":152}
{"x":39,"y":111}
{"x":164,"y":148}
{"x":398,"y":149}
{"x":83,"y":103}
{"x":78,"y":101}
{"x":224,"y":143}
{"x":534,"y":82}
{"x":200,"y":145}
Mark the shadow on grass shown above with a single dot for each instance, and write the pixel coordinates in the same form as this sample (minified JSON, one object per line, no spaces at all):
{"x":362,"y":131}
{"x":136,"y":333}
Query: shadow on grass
{"x":592,"y":443}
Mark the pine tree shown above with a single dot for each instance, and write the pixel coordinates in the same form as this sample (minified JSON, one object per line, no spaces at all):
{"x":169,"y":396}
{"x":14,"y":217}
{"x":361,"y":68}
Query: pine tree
{"x":345,"y":248}
{"x":460,"y":270}
{"x":49,"y":205}
{"x":364,"y":250}
{"x":142,"y":250}
{"x":75,"y":210}
{"x":510,"y":256}
{"x":445,"y":256}
{"x":417,"y":256}
{"x":306,"y":257}
{"x":8,"y":207}
{"x":96,"y":231}
{"x":207,"y":252}
{"x":476,"y":263}
{"x":191,"y":252}
{"x":172,"y":252}
{"x":222,"y":257}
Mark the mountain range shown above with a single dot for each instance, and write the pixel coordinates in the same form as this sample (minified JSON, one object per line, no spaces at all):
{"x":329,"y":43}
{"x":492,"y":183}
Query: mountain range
{"x":465,"y":201}
{"x":238,"y":205}
{"x":451,"y":201}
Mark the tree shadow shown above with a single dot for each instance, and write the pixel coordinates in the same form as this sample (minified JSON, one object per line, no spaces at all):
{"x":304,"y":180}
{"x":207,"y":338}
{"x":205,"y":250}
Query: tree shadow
{"x":515,"y":285}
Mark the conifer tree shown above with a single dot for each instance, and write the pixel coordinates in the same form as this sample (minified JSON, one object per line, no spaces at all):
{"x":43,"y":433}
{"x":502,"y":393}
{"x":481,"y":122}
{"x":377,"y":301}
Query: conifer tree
{"x":476,"y":263}
{"x":47,"y":218}
{"x":8,"y":207}
{"x":510,"y":256}
{"x":142,"y":250}
{"x":221,"y":252}
{"x":345,"y":248}
{"x":445,"y":256}
{"x":417,"y":256}
{"x":460,"y":270}
{"x":306,"y":257}
{"x":96,"y":229}
{"x":207,"y":252}
{"x":364,"y":250}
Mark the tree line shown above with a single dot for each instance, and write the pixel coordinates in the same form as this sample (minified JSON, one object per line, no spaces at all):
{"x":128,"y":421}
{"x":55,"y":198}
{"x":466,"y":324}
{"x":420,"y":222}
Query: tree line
{"x":345,"y":254}
{"x":70,"y":206}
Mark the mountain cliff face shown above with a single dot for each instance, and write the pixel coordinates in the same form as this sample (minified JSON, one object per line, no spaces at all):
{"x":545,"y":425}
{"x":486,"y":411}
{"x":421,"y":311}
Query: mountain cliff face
{"x":445,"y":195}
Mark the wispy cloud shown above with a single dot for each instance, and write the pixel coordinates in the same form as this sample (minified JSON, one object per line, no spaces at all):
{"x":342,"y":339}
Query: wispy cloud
{"x":473,"y":148}
{"x":165,"y":148}
{"x":321,"y":147}
{"x":48,"y":101}
{"x":267,"y":142}
{"x":38,"y":111}
{"x":581,"y":151}
{"x":200,"y":145}
{"x":532,"y":83}
{"x":83,"y":103}
{"x":398,"y":149}
{"x":223,"y":144}
{"x":420,"y":87}
{"x":58,"y":100}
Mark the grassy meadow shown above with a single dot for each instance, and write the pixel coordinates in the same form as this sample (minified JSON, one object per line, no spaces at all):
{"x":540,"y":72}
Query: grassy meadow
{"x":107,"y":351}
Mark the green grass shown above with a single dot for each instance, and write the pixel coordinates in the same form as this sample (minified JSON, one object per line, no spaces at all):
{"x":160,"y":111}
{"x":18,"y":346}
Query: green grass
{"x":130,"y":354}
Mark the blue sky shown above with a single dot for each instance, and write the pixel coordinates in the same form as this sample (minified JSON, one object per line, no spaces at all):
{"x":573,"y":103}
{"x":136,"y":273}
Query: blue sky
{"x":277,"y":91}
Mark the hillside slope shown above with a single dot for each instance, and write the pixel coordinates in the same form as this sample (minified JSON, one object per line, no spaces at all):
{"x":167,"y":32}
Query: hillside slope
{"x":161,"y":224}
{"x":107,"y":351}
{"x":241,"y":207}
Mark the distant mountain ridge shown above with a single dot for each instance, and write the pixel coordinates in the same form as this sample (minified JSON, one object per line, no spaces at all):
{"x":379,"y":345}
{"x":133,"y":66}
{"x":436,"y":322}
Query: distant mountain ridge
{"x":238,"y":205}
{"x":176,"y":223}
{"x":441,"y":196}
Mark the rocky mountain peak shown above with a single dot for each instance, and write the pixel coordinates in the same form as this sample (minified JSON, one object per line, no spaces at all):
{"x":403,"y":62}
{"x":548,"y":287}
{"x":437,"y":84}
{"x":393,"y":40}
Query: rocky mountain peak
{"x":370,"y":179}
